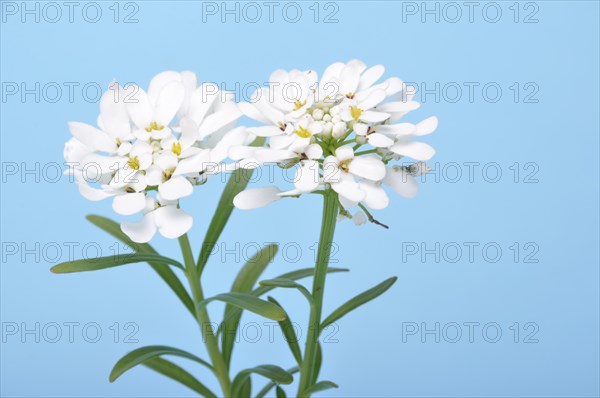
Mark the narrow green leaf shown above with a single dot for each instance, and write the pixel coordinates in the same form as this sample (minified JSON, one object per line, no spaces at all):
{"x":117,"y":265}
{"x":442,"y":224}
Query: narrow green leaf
{"x":295,"y":275}
{"x":245,"y":390}
{"x":237,"y":183}
{"x":248,"y":302}
{"x":320,"y":386}
{"x":176,"y":373}
{"x":164,"y":271}
{"x":357,"y":301}
{"x":280,"y":393}
{"x":95,"y":264}
{"x":262,"y":393}
{"x":318,"y":362}
{"x":243,"y":283}
{"x":290,"y":334}
{"x":143,"y":354}
{"x":287,"y":284}
{"x":272,"y":372}
{"x":259,"y":291}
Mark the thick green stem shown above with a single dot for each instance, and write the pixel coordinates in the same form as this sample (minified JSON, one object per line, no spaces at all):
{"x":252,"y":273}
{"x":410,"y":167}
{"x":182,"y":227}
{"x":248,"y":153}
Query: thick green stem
{"x":307,"y":369}
{"x":212,"y":345}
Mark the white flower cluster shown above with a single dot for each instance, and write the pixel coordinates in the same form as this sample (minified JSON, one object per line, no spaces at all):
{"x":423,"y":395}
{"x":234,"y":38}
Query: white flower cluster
{"x":151,"y":148}
{"x":341,"y":131}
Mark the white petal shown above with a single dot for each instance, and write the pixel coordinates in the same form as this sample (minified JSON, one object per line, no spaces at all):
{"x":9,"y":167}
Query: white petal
{"x":190,"y":82}
{"x":368,"y":167}
{"x":238,"y":152}
{"x":380,"y":140}
{"x":172,"y":222}
{"x":401,"y":182}
{"x":415,"y":150}
{"x":215,"y":121}
{"x":140,"y":231}
{"x":361,"y":129}
{"x":265,"y":131}
{"x":398,"y":129}
{"x":113,"y":112}
{"x":175,"y":188}
{"x":255,"y":198}
{"x":252,"y":112}
{"x":129,"y":203}
{"x":307,"y":176}
{"x":194,"y":164}
{"x":92,"y":137}
{"x":331,"y":170}
{"x":344,"y":153}
{"x":281,"y":141}
{"x":399,"y":106}
{"x":166,"y":161}
{"x":374,"y":117}
{"x":266,"y":155}
{"x":202,"y":100}
{"x":349,"y":189}
{"x":375,"y":196}
{"x":154,"y":175}
{"x":374,"y":99}
{"x":427,"y":126}
{"x":138,"y":106}
{"x":189,"y":133}
{"x":370,"y":76}
{"x":159,"y":82}
{"x":168,"y":102}
{"x":313,"y":151}
{"x":349,"y":78}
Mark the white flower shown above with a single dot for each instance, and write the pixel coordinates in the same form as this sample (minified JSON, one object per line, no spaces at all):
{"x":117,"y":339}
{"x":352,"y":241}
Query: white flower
{"x":160,"y":155}
{"x":341,"y":136}
{"x":161,"y":215}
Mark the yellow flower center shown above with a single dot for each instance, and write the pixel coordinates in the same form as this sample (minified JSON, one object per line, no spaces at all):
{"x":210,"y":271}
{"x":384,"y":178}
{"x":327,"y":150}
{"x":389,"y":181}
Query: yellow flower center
{"x":302,"y":132}
{"x":299,"y":104}
{"x":167,"y":174}
{"x":345,"y":165}
{"x":134,"y":163}
{"x":176,"y":148}
{"x":355,"y":112}
{"x":154,"y":126}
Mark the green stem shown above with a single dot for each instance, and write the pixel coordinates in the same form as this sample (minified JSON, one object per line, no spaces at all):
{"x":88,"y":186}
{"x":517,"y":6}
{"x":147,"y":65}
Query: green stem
{"x":212,"y":345}
{"x":307,"y":368}
{"x":365,"y":152}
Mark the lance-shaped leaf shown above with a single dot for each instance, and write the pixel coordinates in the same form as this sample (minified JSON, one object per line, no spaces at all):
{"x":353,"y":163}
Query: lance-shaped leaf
{"x":243,"y":283}
{"x":272,"y":372}
{"x":318,"y":363}
{"x":176,"y":373}
{"x":280,"y":393}
{"x":237,"y":183}
{"x":320,"y":386}
{"x":259,"y":291}
{"x":143,"y":354}
{"x":164,"y":271}
{"x":287,"y":284}
{"x":262,"y":393}
{"x":289,"y":333}
{"x":357,"y":301}
{"x":248,"y":302}
{"x":95,"y":264}
{"x":295,"y":275}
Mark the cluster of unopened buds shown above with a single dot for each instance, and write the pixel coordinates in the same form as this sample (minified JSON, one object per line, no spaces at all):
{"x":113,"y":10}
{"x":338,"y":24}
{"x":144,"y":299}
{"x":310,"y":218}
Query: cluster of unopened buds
{"x":342,"y":132}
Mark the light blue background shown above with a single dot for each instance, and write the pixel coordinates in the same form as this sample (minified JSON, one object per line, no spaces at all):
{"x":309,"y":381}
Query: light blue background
{"x":559,"y":213}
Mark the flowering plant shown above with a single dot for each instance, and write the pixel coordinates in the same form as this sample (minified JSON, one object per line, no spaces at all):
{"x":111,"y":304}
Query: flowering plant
{"x":342,"y":133}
